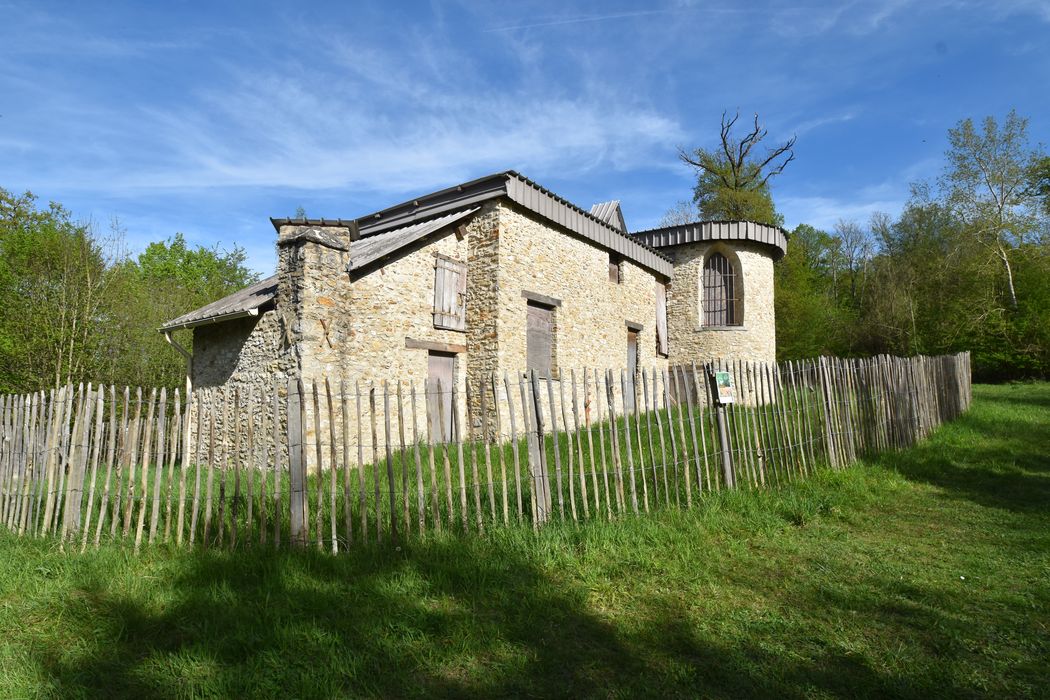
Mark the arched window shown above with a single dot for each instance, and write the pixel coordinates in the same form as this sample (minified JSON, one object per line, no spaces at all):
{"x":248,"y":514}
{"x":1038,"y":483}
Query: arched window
{"x":721,"y":292}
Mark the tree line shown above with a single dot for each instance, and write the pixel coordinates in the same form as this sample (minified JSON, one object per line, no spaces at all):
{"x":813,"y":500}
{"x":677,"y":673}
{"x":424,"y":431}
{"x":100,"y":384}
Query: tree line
{"x":75,"y":306}
{"x":965,"y":266}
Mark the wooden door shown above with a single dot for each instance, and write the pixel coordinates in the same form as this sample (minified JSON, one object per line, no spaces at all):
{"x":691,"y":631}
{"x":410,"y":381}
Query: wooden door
{"x":538,"y":345}
{"x":632,"y":368}
{"x":441,"y":372}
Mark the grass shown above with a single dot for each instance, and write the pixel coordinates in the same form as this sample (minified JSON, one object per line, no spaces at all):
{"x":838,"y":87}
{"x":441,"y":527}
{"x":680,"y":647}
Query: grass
{"x":924,"y":573}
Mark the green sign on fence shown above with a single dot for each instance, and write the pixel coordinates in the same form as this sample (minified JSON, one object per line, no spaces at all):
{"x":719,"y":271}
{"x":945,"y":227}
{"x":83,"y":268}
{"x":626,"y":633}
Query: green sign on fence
{"x":724,"y":382}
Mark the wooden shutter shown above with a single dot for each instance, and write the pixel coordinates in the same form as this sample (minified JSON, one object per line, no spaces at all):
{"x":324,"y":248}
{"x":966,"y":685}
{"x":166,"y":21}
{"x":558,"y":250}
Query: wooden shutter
{"x":661,"y":318}
{"x":450,"y":294}
{"x":538,"y":339}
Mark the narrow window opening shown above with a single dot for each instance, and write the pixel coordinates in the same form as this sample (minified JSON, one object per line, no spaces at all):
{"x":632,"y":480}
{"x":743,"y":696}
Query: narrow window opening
{"x":721,"y":292}
{"x":661,"y":319}
{"x":615,"y":268}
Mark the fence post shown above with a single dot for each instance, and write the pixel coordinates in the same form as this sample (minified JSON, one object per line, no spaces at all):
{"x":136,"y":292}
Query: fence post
{"x":720,"y":425}
{"x":829,"y":440}
{"x":296,"y":474}
{"x":541,"y":473}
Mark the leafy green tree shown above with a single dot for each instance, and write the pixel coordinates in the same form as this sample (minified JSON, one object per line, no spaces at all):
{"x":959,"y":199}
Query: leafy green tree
{"x":168,"y":279}
{"x":987,"y":185}
{"x":74,"y":307}
{"x":1039,"y":182}
{"x":809,"y":320}
{"x":733,"y":181}
{"x":53,"y":295}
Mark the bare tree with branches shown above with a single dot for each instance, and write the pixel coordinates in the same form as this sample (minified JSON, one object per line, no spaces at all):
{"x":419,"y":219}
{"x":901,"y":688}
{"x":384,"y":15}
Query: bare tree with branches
{"x":732,"y":180}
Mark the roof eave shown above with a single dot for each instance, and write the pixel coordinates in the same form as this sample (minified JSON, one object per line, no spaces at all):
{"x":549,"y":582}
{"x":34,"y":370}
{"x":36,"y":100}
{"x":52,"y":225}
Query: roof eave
{"x":208,"y":321}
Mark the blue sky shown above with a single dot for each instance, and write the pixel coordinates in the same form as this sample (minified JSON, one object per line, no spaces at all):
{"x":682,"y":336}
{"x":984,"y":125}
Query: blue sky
{"x":208,"y":118}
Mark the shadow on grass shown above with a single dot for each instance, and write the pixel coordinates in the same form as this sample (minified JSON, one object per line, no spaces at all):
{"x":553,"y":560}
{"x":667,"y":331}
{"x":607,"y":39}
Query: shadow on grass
{"x":452,"y":619}
{"x":996,"y":455}
{"x":429,"y":621}
{"x":493,"y":617}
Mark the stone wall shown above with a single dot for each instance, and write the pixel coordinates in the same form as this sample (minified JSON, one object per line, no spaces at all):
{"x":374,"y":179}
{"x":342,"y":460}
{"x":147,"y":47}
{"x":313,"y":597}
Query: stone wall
{"x":591,"y":322}
{"x":689,"y":341}
{"x":245,"y":355}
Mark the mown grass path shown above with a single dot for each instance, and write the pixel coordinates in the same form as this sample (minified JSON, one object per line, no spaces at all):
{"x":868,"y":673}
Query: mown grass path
{"x":923,"y":574}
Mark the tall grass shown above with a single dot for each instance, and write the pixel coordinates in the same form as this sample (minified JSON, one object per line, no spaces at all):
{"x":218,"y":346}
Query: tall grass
{"x":918,"y":574}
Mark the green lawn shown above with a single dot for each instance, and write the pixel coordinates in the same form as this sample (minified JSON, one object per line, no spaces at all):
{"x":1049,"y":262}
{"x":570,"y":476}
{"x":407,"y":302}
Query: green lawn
{"x":925,"y":573}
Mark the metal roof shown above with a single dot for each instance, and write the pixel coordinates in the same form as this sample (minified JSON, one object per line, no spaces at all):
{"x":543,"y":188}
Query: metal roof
{"x":716,"y":231}
{"x":246,"y":302}
{"x":519,"y":189}
{"x":610,"y":213}
{"x":376,"y":247}
{"x":390,"y":229}
{"x":542,"y":201}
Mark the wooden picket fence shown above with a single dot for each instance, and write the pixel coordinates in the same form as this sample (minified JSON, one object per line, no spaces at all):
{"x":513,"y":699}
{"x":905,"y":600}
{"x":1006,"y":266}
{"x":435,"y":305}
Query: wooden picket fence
{"x":341,"y":463}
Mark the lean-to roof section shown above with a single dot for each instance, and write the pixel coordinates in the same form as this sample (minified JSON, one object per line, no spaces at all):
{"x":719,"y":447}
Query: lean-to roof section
{"x":246,"y":302}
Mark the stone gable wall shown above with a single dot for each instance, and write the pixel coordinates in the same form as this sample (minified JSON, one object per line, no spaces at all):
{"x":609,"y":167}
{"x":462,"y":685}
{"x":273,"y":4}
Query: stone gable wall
{"x":591,"y":323}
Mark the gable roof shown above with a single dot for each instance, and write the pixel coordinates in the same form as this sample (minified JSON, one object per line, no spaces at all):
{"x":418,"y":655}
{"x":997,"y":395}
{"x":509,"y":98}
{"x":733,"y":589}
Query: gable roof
{"x":610,"y":213}
{"x":369,"y":250}
{"x":520,"y":190}
{"x":250,"y":300}
{"x":699,"y":231}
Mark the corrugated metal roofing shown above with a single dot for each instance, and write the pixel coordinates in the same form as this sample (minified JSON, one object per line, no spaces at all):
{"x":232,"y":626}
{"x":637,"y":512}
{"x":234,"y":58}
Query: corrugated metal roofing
{"x":610,"y":213}
{"x":542,"y":201}
{"x":528,"y":194}
{"x":716,"y":231}
{"x":369,"y":250}
{"x":390,"y":229}
{"x":246,"y":302}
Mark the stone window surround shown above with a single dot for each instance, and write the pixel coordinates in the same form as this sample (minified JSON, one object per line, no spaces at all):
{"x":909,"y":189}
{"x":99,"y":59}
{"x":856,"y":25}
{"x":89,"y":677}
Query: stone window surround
{"x":734,"y":260}
{"x":416,"y":344}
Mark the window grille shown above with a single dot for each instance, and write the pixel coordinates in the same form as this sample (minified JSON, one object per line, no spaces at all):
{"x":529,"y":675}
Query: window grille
{"x":721,"y":293}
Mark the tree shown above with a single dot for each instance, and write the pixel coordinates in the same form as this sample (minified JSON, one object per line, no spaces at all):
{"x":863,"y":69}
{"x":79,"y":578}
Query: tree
{"x":809,"y":320}
{"x":683,"y":212}
{"x":168,"y":279}
{"x":987,"y":183}
{"x":1038,"y":186}
{"x":74,"y":307}
{"x":53,"y":295}
{"x":732,"y":182}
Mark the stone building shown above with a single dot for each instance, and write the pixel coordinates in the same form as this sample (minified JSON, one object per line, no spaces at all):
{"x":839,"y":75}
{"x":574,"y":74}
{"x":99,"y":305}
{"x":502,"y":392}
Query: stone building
{"x":496,"y":275}
{"x":720,"y":301}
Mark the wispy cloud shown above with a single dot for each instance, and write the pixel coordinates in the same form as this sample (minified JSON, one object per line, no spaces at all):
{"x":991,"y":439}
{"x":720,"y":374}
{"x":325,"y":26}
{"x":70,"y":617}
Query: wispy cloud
{"x":369,"y":122}
{"x":812,"y":124}
{"x":582,"y":19}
